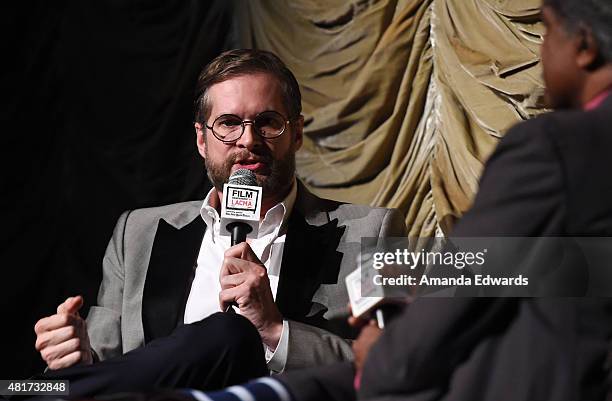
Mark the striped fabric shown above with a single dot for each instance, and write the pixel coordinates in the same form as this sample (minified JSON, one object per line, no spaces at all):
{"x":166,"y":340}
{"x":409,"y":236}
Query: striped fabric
{"x":264,"y":389}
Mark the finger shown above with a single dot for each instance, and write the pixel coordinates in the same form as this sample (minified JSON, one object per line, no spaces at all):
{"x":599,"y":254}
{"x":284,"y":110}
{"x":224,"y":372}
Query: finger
{"x":55,"y":337}
{"x":357,"y":322}
{"x":66,"y":361}
{"x":243,"y":251}
{"x":237,"y":250}
{"x":233,"y":265}
{"x":230,"y":265}
{"x":71,"y":305}
{"x":257,"y":277}
{"x":54,"y":352}
{"x":232,"y":280}
{"x":249,"y":254}
{"x":76,"y":305}
{"x":55,"y":322}
{"x":227,"y":296}
{"x":232,"y":295}
{"x":64,"y":305}
{"x":225,"y":299}
{"x":352,"y":320}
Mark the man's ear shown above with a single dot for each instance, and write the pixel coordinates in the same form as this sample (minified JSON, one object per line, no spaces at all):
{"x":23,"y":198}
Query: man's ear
{"x":587,"y":55}
{"x":298,"y":127}
{"x":200,"y":139}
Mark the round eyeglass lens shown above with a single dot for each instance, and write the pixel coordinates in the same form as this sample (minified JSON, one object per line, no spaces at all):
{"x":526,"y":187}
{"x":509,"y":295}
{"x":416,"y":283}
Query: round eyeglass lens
{"x":270,"y":124}
{"x":227,"y":127}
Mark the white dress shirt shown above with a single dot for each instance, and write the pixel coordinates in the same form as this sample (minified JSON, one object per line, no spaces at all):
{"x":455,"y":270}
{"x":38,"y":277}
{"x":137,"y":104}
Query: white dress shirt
{"x":203,"y":297}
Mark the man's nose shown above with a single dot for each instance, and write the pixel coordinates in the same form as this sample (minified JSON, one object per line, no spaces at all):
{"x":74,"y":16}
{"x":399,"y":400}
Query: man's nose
{"x":250,"y":138}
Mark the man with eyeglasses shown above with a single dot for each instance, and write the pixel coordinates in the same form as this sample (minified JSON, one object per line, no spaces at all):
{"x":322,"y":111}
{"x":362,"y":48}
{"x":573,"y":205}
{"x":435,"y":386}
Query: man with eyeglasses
{"x":168,"y":272}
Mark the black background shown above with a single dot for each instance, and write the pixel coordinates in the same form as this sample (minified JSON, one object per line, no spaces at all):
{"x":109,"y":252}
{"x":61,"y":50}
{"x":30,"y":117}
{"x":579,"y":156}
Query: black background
{"x":97,"y":119}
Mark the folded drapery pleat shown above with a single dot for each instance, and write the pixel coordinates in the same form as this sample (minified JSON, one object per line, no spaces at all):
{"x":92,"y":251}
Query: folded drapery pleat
{"x":403,"y":100}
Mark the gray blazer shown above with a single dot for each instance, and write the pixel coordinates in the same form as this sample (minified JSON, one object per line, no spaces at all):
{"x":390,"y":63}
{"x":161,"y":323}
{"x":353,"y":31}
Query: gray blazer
{"x":149,"y":265}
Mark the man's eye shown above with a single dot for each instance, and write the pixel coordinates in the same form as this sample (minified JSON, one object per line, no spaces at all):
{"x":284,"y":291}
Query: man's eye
{"x":263,"y":122}
{"x":230,"y":123}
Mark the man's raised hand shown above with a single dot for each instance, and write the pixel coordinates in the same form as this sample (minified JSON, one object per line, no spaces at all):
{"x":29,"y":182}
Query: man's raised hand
{"x":62,"y":339}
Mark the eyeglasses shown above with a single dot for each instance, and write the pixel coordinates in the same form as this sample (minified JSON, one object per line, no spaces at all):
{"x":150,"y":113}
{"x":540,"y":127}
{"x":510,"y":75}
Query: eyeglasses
{"x":229,"y":127}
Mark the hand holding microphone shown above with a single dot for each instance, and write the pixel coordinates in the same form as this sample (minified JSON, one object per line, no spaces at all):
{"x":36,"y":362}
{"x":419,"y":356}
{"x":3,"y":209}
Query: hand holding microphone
{"x":244,"y":281}
{"x":244,"y":278}
{"x":376,"y":303}
{"x":371,"y":309}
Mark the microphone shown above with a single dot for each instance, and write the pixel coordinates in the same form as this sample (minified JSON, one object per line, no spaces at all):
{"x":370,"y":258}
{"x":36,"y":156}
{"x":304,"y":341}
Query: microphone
{"x":370,"y":301}
{"x":241,"y":206}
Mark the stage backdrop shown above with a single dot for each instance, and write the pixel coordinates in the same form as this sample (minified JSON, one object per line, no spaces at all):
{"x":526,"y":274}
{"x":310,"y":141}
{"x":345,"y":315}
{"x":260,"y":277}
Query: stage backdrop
{"x":403,"y":101}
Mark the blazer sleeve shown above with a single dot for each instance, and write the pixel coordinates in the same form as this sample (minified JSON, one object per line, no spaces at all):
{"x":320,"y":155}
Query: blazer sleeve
{"x":521,"y":194}
{"x":313,"y":346}
{"x":104,"y":319}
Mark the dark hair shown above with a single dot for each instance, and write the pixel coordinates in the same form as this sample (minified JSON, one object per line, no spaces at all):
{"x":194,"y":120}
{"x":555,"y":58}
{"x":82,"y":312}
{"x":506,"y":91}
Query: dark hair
{"x":239,"y":62}
{"x":594,"y":14}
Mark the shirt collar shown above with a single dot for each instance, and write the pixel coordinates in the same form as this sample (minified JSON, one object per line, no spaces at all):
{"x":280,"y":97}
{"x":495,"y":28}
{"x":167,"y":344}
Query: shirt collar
{"x":275,"y":219}
{"x":597,"y":100}
{"x":209,"y":214}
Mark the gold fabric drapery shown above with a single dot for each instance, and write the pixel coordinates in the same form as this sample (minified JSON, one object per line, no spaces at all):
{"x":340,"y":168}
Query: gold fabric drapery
{"x":403,"y":100}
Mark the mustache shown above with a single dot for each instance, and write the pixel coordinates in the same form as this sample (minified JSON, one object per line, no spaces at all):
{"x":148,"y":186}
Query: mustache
{"x":241,"y":156}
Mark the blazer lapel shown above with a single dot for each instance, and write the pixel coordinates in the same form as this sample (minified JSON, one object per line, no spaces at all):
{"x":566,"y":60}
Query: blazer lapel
{"x":310,"y":258}
{"x":169,"y":276}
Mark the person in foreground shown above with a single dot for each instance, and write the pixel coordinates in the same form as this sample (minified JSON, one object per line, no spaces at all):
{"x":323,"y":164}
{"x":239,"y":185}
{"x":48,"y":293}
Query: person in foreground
{"x":548,"y":177}
{"x":168,"y":273}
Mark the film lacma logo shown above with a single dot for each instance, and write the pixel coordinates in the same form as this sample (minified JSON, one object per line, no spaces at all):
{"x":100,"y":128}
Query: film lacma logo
{"x":241,"y":203}
{"x":242,"y":198}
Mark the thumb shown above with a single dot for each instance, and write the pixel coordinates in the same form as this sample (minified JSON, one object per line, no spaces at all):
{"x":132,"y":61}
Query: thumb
{"x":71,"y":305}
{"x":249,"y":255}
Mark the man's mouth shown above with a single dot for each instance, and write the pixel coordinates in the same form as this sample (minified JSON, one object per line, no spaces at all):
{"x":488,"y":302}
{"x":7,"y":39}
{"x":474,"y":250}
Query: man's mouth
{"x":251,"y":164}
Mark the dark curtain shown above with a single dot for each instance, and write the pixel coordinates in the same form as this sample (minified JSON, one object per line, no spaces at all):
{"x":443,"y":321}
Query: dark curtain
{"x":98,"y":120}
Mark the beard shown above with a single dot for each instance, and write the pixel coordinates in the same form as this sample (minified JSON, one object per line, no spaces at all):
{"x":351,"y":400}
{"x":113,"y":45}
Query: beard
{"x":275,"y":180}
